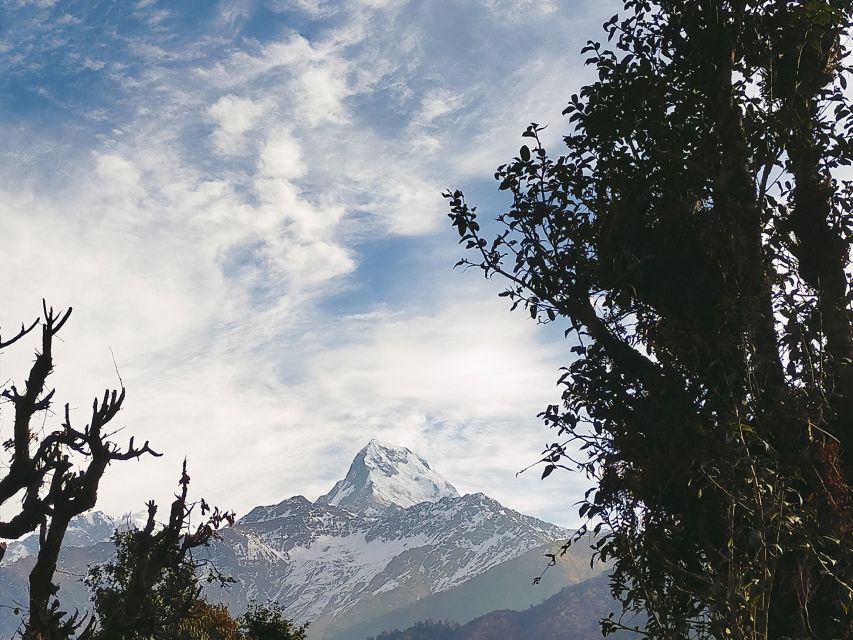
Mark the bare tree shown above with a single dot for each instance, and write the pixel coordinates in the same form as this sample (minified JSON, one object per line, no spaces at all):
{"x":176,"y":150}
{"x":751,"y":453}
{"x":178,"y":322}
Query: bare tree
{"x":56,"y":474}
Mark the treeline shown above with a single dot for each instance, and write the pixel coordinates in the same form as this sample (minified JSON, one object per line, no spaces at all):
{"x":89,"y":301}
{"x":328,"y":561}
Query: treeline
{"x":427,"y":630}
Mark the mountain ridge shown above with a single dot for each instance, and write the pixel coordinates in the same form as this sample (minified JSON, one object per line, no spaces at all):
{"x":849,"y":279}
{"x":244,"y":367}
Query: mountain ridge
{"x":366,"y":549}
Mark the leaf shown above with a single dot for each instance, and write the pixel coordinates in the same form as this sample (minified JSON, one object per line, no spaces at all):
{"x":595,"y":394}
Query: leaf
{"x":524,"y":153}
{"x":548,"y":471}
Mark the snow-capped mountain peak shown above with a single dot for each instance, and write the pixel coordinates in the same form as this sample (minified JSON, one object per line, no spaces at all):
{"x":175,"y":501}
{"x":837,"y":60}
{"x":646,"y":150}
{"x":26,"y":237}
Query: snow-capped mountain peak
{"x":383,"y":476}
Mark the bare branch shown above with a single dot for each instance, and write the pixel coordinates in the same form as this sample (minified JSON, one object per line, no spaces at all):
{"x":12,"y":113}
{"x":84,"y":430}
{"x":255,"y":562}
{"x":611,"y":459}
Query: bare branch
{"x":24,"y":331}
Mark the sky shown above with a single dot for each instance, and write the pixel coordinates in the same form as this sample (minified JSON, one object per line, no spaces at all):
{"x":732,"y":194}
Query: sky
{"x":242,"y":202}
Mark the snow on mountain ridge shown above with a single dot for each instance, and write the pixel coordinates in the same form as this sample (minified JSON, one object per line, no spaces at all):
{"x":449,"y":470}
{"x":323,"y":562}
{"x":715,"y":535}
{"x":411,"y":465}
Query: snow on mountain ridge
{"x":333,"y":561}
{"x":385,"y":476}
{"x":391,"y":531}
{"x":84,"y":530}
{"x":296,"y":504}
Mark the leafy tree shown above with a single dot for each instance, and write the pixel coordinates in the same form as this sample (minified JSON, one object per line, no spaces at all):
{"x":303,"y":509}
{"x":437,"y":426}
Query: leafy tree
{"x":696,"y":237}
{"x":205,"y":621}
{"x":267,"y":622}
{"x":152,"y":588}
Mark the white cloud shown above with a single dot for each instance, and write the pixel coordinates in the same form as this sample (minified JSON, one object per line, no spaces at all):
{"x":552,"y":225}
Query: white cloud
{"x":209,"y":261}
{"x":315,"y":8}
{"x":465,"y":360}
{"x":281,"y":157}
{"x":437,"y":103}
{"x":118,"y":179}
{"x":322,"y":90}
{"x":538,"y":95}
{"x":234,"y":117}
{"x":521,"y":8}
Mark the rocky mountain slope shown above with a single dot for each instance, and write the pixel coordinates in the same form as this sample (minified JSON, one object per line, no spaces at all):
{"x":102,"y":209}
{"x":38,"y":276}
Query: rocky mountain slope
{"x":506,"y":586}
{"x":392,"y":542}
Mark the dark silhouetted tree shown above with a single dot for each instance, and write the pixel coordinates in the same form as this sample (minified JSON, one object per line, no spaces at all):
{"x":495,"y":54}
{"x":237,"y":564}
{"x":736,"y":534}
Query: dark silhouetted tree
{"x":151,"y":589}
{"x":56,"y":476}
{"x":267,"y":622}
{"x":696,"y":237}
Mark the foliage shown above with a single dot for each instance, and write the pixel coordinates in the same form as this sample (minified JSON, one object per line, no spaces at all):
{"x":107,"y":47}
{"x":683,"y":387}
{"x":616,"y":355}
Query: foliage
{"x":426,"y":630}
{"x":152,"y":588}
{"x":172,"y":597}
{"x":267,"y":622}
{"x":696,"y":237}
{"x":204,"y":621}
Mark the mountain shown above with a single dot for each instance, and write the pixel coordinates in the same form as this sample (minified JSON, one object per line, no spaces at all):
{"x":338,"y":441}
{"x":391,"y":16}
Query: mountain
{"x":506,"y":586}
{"x":84,"y":530}
{"x":339,"y":569}
{"x":573,"y":613}
{"x":383,"y":476}
{"x":391,"y":535}
{"x":391,"y":543}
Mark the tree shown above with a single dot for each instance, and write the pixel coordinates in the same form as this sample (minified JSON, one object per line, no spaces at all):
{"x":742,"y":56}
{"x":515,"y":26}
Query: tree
{"x":152,"y":587}
{"x":56,"y":476}
{"x":696,"y":237}
{"x":206,"y":621}
{"x":267,"y":622}
{"x":424,"y":630}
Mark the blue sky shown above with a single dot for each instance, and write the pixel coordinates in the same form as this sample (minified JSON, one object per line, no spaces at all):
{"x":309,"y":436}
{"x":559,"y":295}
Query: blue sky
{"x":242,"y":200}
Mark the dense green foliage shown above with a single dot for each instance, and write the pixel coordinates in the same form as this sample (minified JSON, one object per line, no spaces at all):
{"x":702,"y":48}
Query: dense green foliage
{"x":696,"y":237}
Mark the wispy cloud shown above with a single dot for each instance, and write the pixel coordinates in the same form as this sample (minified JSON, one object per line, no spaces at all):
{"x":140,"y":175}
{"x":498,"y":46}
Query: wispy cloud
{"x":218,"y":195}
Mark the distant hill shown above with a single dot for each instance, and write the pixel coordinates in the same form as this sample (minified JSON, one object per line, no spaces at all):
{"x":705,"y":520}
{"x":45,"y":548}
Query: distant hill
{"x":572,"y":614}
{"x":427,"y":630}
{"x":506,"y":586}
